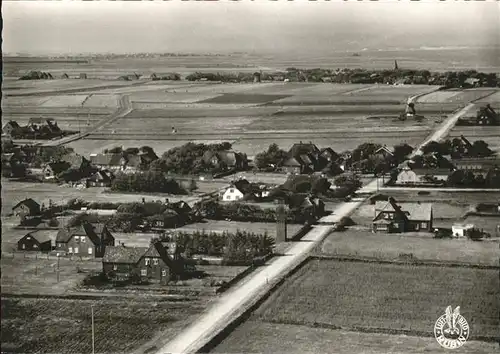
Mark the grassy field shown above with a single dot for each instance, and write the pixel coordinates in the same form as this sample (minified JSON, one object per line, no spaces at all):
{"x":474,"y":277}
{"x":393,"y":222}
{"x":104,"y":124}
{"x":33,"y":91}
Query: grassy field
{"x":120,"y":326}
{"x":22,"y":275}
{"x":387,"y":297}
{"x":390,"y":247}
{"x":255,"y":336}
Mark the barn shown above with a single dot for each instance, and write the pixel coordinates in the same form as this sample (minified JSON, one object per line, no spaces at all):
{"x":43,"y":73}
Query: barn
{"x":40,"y":241}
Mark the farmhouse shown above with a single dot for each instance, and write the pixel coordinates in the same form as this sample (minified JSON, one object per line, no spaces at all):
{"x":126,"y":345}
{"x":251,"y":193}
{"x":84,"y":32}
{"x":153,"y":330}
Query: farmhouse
{"x":36,"y":241}
{"x":76,"y":161}
{"x":477,"y":164}
{"x":159,"y":263}
{"x":26,"y":208}
{"x":385,"y":152}
{"x":102,"y":178}
{"x":52,"y":169}
{"x":391,"y":217}
{"x":89,"y":240}
{"x":232,"y":194}
{"x":10,"y":127}
{"x":422,"y":175}
{"x":230,"y":159}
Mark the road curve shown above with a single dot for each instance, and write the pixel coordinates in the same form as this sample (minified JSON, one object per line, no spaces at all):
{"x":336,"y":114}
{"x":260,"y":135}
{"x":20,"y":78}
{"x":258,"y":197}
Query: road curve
{"x":124,"y":109}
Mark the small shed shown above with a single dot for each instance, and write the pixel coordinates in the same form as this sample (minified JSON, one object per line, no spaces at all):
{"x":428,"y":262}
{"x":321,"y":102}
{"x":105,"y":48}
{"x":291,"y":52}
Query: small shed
{"x":64,"y":76}
{"x":40,"y":241}
{"x":83,"y":76}
{"x":460,"y":230}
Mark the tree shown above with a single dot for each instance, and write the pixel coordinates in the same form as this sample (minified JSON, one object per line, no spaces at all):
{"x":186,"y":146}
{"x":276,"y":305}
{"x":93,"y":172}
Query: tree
{"x":481,"y":149}
{"x":273,"y":157}
{"x":401,"y":152}
{"x":350,"y":181}
{"x":364,"y":151}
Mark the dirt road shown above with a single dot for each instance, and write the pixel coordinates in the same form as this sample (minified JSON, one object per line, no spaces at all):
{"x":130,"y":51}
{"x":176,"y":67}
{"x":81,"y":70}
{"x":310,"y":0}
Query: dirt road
{"x":124,"y":109}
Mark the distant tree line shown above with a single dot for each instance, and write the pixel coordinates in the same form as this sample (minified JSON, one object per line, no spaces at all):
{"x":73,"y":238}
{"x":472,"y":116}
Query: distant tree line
{"x":149,"y":182}
{"x":36,"y":75}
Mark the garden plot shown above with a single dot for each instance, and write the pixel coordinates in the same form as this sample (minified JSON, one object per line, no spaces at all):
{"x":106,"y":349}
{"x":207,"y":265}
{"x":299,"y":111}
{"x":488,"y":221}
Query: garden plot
{"x":399,"y":92}
{"x":390,"y":246}
{"x":10,"y":101}
{"x":385,"y":297}
{"x":47,"y":325}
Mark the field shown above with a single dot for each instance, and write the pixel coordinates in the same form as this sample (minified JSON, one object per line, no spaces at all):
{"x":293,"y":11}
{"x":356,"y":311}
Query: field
{"x":120,"y":325}
{"x":385,"y":296}
{"x":255,"y":336}
{"x":390,"y":247}
{"x":39,"y":275}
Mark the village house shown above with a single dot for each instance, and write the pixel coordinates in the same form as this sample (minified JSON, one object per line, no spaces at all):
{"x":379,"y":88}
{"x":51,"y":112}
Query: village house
{"x":230,"y":159}
{"x":402,"y":217}
{"x":40,"y":241}
{"x":385,"y":153}
{"x":11,"y":127}
{"x":76,"y":161}
{"x":102,"y":178}
{"x":26,"y":209}
{"x":422,"y":175}
{"x":232,"y":194}
{"x":159,"y":263}
{"x":86,"y":240}
{"x":53,"y":169}
{"x":477,"y":164}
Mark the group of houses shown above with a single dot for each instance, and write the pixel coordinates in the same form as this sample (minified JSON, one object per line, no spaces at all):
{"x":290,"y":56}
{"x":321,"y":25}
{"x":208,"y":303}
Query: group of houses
{"x":305,"y":158}
{"x":37,"y":128}
{"x":160,"y":262}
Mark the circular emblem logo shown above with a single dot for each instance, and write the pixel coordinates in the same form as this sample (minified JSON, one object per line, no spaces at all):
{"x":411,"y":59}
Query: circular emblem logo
{"x":451,"y":329}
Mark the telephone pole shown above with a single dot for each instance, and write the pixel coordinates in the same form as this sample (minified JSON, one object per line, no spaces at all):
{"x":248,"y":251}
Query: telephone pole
{"x":93,"y":338}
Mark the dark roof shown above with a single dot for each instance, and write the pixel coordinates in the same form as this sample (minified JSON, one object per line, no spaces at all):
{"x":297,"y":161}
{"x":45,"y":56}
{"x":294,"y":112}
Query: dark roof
{"x":301,"y":148}
{"x":416,"y":211}
{"x":179,"y":206}
{"x":242,"y":185}
{"x":64,"y":235}
{"x":41,"y":236}
{"x":13,"y":124}
{"x":100,"y":176}
{"x":106,"y":159}
{"x":30,"y":203}
{"x":123,"y":254}
{"x":75,"y":160}
{"x":170,"y":247}
{"x":59,"y":166}
{"x":388,"y":149}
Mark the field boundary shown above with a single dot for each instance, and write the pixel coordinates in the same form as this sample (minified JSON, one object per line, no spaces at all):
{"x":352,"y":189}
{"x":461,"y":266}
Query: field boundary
{"x":413,"y":262}
{"x":390,"y":331}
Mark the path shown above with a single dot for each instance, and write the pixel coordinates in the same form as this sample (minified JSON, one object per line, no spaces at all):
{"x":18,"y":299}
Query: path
{"x":246,"y":293}
{"x":124,"y":109}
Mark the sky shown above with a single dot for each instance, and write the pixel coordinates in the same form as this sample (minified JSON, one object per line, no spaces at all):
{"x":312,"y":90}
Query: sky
{"x":69,"y":27}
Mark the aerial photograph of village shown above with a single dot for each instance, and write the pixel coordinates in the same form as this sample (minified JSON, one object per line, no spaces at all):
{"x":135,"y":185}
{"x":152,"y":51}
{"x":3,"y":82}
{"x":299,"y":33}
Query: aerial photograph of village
{"x":250,"y":177}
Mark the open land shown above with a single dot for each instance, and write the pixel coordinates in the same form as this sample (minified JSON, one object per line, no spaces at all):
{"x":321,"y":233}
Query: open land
{"x":326,"y":295}
{"x":331,"y":294}
{"x":120,"y":325}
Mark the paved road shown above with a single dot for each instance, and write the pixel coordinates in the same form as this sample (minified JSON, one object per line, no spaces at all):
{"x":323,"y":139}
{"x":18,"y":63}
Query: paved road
{"x":124,"y":109}
{"x":246,"y":293}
